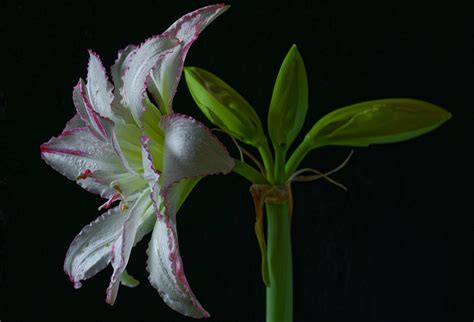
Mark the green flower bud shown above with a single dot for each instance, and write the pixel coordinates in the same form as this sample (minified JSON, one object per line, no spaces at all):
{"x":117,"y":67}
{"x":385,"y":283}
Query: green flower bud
{"x":289,"y":101}
{"x":375,"y":122}
{"x":224,"y":107}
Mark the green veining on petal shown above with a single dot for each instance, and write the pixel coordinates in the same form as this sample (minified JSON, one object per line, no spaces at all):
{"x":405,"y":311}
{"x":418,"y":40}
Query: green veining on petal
{"x":151,"y":120}
{"x":128,"y":137}
{"x":128,"y":183}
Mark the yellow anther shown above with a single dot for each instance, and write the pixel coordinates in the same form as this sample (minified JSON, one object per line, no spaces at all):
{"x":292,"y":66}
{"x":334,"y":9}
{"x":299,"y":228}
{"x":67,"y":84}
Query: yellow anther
{"x":123,"y":206}
{"x":117,"y":188}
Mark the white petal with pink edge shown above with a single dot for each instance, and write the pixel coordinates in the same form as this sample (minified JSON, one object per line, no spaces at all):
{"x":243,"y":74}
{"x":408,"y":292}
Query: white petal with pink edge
{"x":188,"y":27}
{"x":139,"y":65}
{"x":77,"y":152}
{"x":164,"y":78}
{"x":191,"y":150}
{"x":140,"y":212}
{"x":94,"y":121}
{"x":166,"y":270}
{"x":99,"y":89}
{"x":89,"y":252}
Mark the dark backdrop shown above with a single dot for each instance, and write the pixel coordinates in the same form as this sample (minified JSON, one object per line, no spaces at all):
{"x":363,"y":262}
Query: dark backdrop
{"x":396,"y":247}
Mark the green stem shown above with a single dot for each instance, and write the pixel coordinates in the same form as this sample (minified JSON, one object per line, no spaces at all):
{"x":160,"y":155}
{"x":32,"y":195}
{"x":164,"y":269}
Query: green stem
{"x":249,"y":172}
{"x":280,"y":158}
{"x":267,"y":158}
{"x":298,"y":155}
{"x":280,"y":292}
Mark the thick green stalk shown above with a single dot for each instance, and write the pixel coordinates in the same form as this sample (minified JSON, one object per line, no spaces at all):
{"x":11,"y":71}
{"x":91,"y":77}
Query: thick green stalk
{"x":280,"y":157}
{"x":280,"y":292}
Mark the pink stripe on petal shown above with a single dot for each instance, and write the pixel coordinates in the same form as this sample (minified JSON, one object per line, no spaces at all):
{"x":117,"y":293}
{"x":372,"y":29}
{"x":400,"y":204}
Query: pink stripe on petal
{"x":77,"y":150}
{"x":68,"y":132}
{"x":45,"y":149}
{"x":86,"y":112}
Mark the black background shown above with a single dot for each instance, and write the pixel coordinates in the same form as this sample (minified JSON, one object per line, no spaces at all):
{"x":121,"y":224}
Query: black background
{"x":396,"y":247}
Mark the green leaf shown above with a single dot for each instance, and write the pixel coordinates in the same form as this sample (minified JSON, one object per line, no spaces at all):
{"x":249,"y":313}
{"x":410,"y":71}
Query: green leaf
{"x":289,"y":101}
{"x":224,"y":107}
{"x":375,"y":122}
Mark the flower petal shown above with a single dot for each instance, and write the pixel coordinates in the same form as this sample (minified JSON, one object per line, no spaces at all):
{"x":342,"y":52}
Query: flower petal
{"x":125,"y":183}
{"x":139,"y":64}
{"x":151,"y":174}
{"x":99,"y":89}
{"x":187,"y":28}
{"x":191,"y":150}
{"x":74,"y":123}
{"x":140,"y":212}
{"x":166,"y":269}
{"x":75,"y":152}
{"x":104,"y":129}
{"x":164,"y":261}
{"x":165,"y":76}
{"x":118,"y":71}
{"x":90,"y":251}
{"x":96,"y":123}
{"x":128,"y":144}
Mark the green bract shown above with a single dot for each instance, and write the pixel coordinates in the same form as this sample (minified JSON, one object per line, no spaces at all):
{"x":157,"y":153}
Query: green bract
{"x":378,"y":121}
{"x":224,"y":107}
{"x":289,"y":101}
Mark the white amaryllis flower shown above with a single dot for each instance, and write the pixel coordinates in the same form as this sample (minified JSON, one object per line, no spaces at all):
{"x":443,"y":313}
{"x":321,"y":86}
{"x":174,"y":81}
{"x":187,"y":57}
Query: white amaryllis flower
{"x":124,"y":147}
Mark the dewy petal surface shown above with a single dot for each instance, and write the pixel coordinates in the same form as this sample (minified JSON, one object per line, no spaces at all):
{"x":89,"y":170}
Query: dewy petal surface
{"x":76,"y":151}
{"x":164,"y":77}
{"x":140,"y":212}
{"x":166,"y":270}
{"x":188,"y":27}
{"x":90,"y":251}
{"x":139,"y":64}
{"x":191,"y":150}
{"x":99,"y":88}
{"x":118,"y":69}
{"x":97,"y":124}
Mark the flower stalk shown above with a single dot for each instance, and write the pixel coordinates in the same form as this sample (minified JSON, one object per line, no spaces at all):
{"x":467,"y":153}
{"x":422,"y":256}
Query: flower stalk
{"x":280,"y":293}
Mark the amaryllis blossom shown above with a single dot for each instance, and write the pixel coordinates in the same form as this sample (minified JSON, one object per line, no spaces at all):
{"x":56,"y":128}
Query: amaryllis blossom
{"x":126,"y":144}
